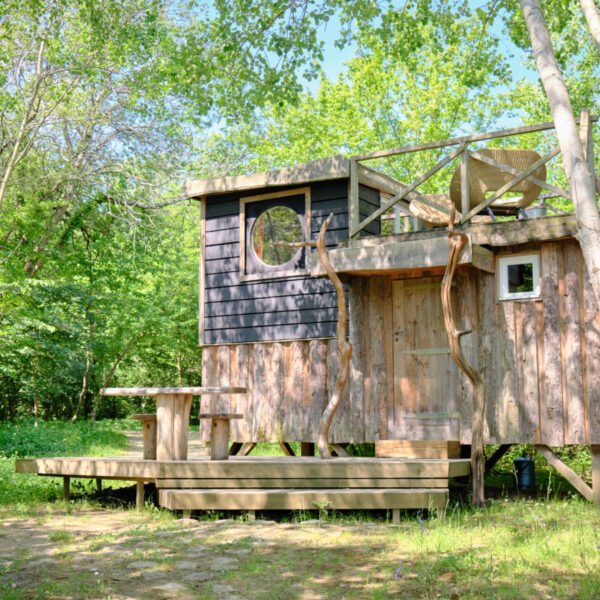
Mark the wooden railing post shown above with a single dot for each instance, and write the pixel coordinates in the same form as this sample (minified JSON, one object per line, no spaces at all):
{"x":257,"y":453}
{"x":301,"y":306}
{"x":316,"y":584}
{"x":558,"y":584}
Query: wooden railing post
{"x":465,"y":195}
{"x":353,"y":200}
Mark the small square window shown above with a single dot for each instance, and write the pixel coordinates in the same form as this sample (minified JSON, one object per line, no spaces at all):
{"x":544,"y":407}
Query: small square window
{"x":519,"y":277}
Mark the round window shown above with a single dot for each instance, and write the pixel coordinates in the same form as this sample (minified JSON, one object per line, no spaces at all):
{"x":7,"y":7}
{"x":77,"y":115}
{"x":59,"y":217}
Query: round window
{"x":277,"y":224}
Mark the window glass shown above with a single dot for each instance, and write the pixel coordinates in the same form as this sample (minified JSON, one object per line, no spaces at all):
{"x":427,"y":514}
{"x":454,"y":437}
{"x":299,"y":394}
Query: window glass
{"x":520,"y":278}
{"x":277,"y":224}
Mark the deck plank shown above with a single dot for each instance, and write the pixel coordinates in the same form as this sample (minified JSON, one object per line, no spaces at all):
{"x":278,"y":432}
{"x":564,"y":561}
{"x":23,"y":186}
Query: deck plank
{"x":309,"y":499}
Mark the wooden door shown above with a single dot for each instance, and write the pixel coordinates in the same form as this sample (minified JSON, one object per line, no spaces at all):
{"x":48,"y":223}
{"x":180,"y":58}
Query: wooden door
{"x":425,"y":377}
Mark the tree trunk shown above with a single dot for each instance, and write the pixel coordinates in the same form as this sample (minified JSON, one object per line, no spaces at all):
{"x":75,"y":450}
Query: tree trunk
{"x":592,"y":16}
{"x":580,"y":179}
{"x":457,"y":244}
{"x":82,"y":393}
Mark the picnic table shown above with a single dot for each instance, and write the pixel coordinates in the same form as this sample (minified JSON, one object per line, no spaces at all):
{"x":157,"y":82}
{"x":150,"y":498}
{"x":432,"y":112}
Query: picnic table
{"x":173,"y":406}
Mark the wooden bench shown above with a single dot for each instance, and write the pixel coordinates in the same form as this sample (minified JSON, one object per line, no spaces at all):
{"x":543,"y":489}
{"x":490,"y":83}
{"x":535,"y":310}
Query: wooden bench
{"x":149,"y":432}
{"x":172,"y":414}
{"x":219,"y":433}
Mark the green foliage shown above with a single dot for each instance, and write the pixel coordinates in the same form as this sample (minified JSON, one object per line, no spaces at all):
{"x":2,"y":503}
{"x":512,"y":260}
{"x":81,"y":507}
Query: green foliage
{"x":51,"y":438}
{"x":55,"y":438}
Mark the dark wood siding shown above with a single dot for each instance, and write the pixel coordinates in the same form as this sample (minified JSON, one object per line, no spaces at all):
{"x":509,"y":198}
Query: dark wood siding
{"x":288,"y":308}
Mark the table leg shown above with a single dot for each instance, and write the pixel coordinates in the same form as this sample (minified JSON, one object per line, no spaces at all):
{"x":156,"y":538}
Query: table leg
{"x":219,"y":439}
{"x":181,"y":427}
{"x":165,"y":410}
{"x":172,"y":426}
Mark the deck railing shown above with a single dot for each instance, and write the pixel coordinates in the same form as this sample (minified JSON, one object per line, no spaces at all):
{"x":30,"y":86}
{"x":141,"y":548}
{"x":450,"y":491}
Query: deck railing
{"x":401,"y":196}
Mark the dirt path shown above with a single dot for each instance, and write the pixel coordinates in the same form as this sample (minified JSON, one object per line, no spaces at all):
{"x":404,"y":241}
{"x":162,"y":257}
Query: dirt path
{"x":95,"y":553}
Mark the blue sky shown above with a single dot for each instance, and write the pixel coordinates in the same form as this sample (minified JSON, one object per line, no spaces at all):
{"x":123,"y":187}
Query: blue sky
{"x":334,"y":59}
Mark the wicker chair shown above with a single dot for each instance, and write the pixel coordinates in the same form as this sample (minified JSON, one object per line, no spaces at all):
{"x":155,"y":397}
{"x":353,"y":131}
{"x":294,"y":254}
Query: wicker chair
{"x":484,"y":178}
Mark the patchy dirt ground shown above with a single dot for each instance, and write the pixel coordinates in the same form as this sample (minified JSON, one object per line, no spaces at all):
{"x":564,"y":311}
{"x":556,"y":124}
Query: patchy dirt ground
{"x":122,"y":554}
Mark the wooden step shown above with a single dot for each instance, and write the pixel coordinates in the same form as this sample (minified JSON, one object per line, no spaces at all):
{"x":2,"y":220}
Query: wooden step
{"x":305,"y":499}
{"x":313,"y":482}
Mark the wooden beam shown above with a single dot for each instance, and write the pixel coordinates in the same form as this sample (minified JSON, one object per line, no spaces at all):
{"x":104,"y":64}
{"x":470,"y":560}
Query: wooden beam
{"x":521,"y":175}
{"x":409,"y":188}
{"x":596,"y":473}
{"x":235,"y":448}
{"x":353,"y":199}
{"x":246,"y":448}
{"x":478,"y":137}
{"x":339,"y":449}
{"x":287,"y":449}
{"x":307,"y":449}
{"x":302,"y":499}
{"x":465,"y":192}
{"x":295,"y":482}
{"x":581,"y":486}
{"x":139,"y":495}
{"x":404,"y":255}
{"x":491,"y":462}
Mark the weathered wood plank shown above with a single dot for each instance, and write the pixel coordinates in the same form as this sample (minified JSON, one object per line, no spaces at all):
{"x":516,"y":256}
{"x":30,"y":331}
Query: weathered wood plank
{"x":387,"y":401}
{"x":356,"y":383}
{"x":592,"y":358}
{"x":305,"y":467}
{"x":316,"y":385}
{"x":302,"y":499}
{"x":376,"y":357}
{"x":596,"y":473}
{"x":155,"y":391}
{"x":528,"y":373}
{"x":572,"y":477}
{"x":417,"y":449}
{"x":488,"y":357}
{"x":552,"y":425}
{"x":507,"y":406}
{"x":287,"y":482}
{"x":573,"y":402}
{"x":406,"y":255}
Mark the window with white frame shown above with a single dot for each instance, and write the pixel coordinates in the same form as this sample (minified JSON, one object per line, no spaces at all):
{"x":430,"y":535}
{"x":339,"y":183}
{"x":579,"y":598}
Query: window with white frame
{"x":519,"y":277}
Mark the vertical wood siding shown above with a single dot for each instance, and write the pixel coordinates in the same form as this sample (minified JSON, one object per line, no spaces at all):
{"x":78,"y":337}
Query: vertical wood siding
{"x":539,"y":358}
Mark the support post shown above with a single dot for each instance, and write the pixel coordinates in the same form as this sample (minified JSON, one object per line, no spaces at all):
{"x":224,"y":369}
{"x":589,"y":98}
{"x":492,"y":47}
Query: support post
{"x":219,"y":441}
{"x":66,"y":487}
{"x":464,"y":182}
{"x":287,"y":449}
{"x":235,"y":448}
{"x":98,"y":484}
{"x":490,"y":462}
{"x":353,"y":201}
{"x":307,"y":449}
{"x":139,"y":495}
{"x":395,"y":516}
{"x":251,"y":515}
{"x":596,"y":473}
{"x":575,"y":480}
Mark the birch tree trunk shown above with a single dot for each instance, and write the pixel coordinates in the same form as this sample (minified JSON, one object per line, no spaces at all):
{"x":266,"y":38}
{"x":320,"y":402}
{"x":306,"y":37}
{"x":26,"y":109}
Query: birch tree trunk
{"x":581,"y":183}
{"x":592,"y":16}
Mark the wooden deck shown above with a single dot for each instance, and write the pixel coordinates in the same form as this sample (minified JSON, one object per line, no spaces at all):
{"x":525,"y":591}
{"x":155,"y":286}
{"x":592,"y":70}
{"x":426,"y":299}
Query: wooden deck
{"x":287,"y":483}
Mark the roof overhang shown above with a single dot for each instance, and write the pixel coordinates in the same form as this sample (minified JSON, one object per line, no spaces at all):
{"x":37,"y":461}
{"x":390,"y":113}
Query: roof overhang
{"x":323,"y":169}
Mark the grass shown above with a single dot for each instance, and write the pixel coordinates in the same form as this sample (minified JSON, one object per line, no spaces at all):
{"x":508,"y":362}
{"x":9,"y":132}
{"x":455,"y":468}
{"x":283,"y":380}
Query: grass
{"x":543,"y":546}
{"x":20,"y":492}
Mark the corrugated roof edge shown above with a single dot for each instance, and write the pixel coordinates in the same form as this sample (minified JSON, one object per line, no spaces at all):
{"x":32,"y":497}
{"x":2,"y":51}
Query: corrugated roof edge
{"x":332,"y":167}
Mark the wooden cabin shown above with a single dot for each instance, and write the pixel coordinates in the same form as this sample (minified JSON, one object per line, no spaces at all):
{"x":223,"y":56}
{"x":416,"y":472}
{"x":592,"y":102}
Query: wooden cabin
{"x":268,"y":325}
{"x":268,"y":319}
